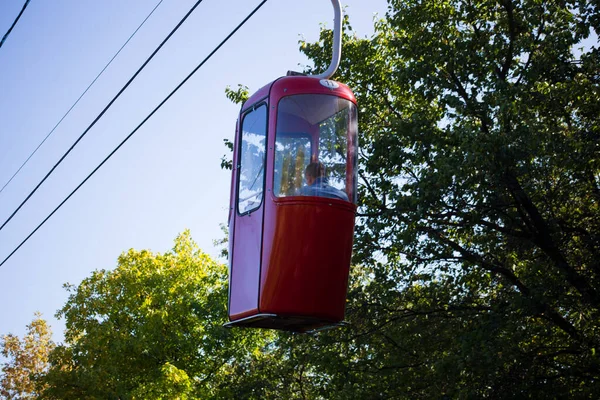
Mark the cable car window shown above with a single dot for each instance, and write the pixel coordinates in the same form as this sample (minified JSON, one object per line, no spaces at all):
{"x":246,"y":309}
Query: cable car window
{"x":316,"y":144}
{"x":292,"y":156}
{"x":252,"y":160}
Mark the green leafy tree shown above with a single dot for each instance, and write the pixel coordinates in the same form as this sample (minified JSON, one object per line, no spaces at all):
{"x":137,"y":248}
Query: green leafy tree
{"x":149,"y":329}
{"x":479,"y":213}
{"x":237,"y":96}
{"x":27,"y":360}
{"x":479,"y":218}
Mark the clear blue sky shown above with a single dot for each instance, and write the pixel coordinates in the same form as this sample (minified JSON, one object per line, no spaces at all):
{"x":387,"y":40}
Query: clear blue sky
{"x":167,"y":178}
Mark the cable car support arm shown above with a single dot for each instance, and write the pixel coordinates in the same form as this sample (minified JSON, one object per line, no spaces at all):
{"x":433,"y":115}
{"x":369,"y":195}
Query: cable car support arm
{"x":337,"y":42}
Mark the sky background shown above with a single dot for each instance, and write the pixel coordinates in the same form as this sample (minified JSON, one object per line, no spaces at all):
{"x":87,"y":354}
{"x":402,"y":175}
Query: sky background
{"x":167,"y":177}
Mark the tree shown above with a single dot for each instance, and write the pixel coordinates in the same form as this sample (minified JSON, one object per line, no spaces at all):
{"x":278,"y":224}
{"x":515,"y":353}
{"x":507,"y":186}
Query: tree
{"x":479,"y":213}
{"x":27,"y":360}
{"x":149,"y":329}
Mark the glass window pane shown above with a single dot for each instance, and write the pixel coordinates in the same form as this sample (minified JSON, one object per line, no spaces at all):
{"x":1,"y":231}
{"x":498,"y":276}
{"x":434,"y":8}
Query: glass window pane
{"x":333,"y":147}
{"x":252,"y":159}
{"x":319,"y":130}
{"x":292,"y":155}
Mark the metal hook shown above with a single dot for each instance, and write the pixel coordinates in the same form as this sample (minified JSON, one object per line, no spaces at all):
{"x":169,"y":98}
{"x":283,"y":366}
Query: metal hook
{"x":337,"y":42}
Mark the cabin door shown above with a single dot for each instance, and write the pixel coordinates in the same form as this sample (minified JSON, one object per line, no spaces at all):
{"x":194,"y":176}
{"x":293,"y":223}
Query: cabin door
{"x":249,"y":211}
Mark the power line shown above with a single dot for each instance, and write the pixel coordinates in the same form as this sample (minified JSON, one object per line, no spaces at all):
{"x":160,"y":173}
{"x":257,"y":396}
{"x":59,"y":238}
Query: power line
{"x":138,"y":127}
{"x":101,"y":113}
{"x":14,"y":23}
{"x":80,"y":97}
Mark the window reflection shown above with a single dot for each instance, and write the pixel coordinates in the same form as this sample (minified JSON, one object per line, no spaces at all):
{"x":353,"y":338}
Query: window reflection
{"x":320,"y":131}
{"x":252,"y":159}
{"x":292,"y":155}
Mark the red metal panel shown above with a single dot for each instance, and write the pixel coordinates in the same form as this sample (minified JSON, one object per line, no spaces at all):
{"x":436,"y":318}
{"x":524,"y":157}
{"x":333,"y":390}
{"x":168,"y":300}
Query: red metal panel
{"x":291,"y":85}
{"x":306,"y":257}
{"x":232,"y":202}
{"x":232,"y":195}
{"x":307,"y":240}
{"x":245,"y":271}
{"x":245,"y":245}
{"x":257,"y":96}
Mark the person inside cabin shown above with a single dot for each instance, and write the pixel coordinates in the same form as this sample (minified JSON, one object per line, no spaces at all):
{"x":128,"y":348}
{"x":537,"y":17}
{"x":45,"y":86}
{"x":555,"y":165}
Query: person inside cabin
{"x":317,"y":183}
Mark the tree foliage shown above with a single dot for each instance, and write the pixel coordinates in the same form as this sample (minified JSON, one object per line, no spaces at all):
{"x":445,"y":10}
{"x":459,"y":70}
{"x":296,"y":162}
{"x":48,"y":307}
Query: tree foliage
{"x":480,"y":197}
{"x":27,"y":360}
{"x":237,"y":96}
{"x":149,"y":329}
{"x":479,"y":219}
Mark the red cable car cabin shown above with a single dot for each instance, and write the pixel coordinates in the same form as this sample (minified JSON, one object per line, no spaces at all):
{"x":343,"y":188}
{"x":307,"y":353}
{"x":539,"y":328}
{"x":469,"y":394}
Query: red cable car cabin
{"x":290,"y":242}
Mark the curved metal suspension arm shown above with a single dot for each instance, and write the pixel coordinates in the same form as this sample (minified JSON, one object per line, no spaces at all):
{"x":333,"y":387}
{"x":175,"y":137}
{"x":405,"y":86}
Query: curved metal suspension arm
{"x":337,"y":42}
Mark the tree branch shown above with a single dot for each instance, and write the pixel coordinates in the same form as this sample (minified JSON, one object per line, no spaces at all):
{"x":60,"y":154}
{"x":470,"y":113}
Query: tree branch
{"x":544,"y":241}
{"x":535,"y":46}
{"x":512,"y":32}
{"x":544,"y":308}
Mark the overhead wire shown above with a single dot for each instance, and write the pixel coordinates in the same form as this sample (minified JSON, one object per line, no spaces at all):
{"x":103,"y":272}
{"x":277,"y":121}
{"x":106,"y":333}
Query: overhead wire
{"x":80,"y":97}
{"x":138,"y":127}
{"x":14,"y":23}
{"x":102,"y":113}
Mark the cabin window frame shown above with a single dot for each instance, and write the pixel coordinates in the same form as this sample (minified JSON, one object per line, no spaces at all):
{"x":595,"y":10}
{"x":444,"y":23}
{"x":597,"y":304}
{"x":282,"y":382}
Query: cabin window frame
{"x":240,"y":160}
